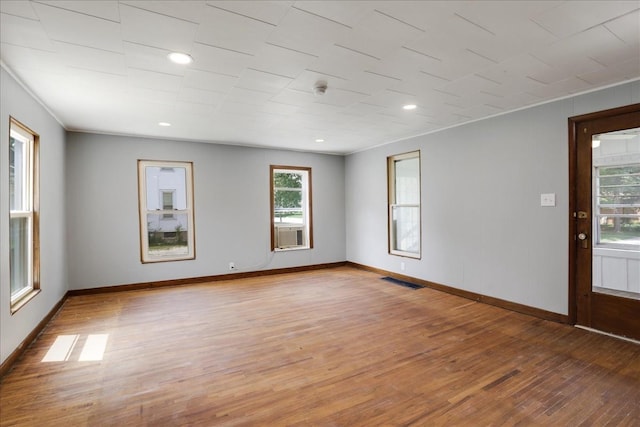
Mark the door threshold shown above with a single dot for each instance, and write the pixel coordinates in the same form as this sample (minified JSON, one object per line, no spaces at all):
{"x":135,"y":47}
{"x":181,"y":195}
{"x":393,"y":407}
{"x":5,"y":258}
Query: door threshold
{"x":631,"y":340}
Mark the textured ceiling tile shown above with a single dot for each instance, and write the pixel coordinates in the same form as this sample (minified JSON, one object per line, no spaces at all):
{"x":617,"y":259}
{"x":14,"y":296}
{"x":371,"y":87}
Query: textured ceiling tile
{"x":343,"y":62}
{"x":626,"y":28}
{"x":246,"y":96}
{"x":262,"y":81}
{"x":96,"y":82}
{"x":189,"y":10}
{"x":41,"y":61}
{"x":218,"y":60}
{"x":23,"y":32}
{"x":195,"y":109}
{"x":281,"y":61}
{"x":627,"y":70}
{"x":595,"y":43}
{"x":306,"y":32}
{"x":294,"y":97}
{"x":150,"y":58}
{"x":99,"y":9}
{"x":520,"y":65}
{"x":341,"y":98}
{"x":18,"y":8}
{"x":279,"y":108}
{"x":267,"y":11}
{"x":514,"y":100}
{"x":569,"y":85}
{"x":458,"y":64}
{"x":421,"y":14}
{"x":77,"y":28}
{"x":470,"y":85}
{"x":199,"y":96}
{"x":138,"y":94}
{"x":346,"y":13}
{"x":153,"y":80}
{"x":232,"y":31}
{"x":206,"y":80}
{"x":404,"y":63}
{"x":92,"y":59}
{"x":156,"y":30}
{"x":573,"y":17}
{"x":379,"y":34}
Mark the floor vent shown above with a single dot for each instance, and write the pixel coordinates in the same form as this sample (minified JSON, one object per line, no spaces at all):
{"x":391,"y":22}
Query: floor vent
{"x":403,"y":283}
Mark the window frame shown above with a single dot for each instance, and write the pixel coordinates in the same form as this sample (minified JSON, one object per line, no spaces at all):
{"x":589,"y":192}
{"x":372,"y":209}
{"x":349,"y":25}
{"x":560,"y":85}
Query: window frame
{"x":307,"y":201}
{"x":596,"y":186}
{"x":146,"y":256}
{"x":31,"y":196}
{"x":392,"y":204}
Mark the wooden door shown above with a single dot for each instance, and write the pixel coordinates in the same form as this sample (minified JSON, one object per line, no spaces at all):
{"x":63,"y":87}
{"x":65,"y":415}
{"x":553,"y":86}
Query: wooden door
{"x":604,"y":227}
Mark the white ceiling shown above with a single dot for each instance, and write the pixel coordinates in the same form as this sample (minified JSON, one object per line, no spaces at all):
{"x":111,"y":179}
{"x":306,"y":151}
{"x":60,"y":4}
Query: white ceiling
{"x":101,"y":66}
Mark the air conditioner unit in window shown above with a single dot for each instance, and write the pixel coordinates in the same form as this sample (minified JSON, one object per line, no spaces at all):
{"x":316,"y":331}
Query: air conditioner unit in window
{"x":288,"y":237}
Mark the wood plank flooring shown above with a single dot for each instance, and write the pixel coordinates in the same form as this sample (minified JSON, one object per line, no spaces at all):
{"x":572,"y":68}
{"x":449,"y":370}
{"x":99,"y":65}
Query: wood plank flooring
{"x":335,"y":347}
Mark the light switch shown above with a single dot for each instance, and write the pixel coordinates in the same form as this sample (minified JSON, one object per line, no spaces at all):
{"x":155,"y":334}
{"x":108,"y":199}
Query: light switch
{"x":548,"y":199}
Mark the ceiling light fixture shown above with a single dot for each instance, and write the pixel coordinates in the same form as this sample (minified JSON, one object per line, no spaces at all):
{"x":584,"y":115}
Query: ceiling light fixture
{"x":409,"y":107}
{"x":180,"y":58}
{"x":164,"y":124}
{"x":319,"y":140}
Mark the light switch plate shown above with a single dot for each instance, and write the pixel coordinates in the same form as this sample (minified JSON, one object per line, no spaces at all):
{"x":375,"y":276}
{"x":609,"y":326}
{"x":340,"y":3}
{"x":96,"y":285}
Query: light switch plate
{"x":548,"y":199}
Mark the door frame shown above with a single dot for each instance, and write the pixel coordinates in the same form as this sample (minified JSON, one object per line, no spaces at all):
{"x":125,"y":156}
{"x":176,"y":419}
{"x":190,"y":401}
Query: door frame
{"x":574,"y":124}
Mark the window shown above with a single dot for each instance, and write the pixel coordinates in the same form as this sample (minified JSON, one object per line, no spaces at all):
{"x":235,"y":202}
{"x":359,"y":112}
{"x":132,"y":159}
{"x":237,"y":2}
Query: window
{"x":291,"y":225}
{"x":166,"y":211}
{"x":23,"y":214}
{"x":404,"y":204}
{"x":617,"y":206}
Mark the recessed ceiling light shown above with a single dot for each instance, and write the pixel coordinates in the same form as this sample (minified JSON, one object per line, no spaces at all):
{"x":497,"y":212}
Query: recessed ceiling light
{"x":180,"y":58}
{"x":319,"y":140}
{"x":164,"y":124}
{"x":410,"y":107}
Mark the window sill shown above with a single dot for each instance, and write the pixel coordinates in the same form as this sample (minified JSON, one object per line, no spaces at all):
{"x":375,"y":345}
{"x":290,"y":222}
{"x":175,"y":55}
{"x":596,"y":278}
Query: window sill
{"x":21,"y":302}
{"x":296,"y":248}
{"x":405,"y":254}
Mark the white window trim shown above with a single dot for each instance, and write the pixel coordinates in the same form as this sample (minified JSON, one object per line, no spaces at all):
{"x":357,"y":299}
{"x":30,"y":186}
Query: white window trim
{"x":30,"y":194}
{"x":621,"y":161}
{"x":307,"y":207}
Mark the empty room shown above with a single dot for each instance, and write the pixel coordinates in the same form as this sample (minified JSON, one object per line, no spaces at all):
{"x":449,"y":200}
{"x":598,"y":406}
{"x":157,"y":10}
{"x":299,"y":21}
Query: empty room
{"x":319,"y":213}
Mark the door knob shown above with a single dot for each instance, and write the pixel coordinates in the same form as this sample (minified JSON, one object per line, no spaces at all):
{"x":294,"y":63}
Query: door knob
{"x":583,"y":238}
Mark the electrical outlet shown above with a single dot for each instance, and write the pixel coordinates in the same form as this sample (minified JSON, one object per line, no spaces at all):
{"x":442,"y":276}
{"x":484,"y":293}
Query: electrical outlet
{"x":232,"y":266}
{"x":402,"y":266}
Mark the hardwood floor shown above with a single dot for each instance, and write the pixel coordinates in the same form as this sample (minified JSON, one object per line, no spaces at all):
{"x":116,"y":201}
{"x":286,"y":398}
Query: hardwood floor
{"x":336,"y":347}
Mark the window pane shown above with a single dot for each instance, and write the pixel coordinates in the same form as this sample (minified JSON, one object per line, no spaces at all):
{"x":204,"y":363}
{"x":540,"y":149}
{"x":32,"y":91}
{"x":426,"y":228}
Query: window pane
{"x":406,"y":228}
{"x":407,"y":183}
{"x":19,"y":255}
{"x":618,"y":204}
{"x":168,"y":238}
{"x":18,"y":151}
{"x":163,"y":178}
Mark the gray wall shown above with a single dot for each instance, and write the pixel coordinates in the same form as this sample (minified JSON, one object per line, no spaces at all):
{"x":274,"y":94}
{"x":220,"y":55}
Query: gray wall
{"x":483,"y":229}
{"x":17,"y":103}
{"x":231,"y":192}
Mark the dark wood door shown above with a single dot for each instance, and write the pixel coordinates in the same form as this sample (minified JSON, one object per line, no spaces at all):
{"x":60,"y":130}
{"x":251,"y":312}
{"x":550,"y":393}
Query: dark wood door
{"x":605,"y":220}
